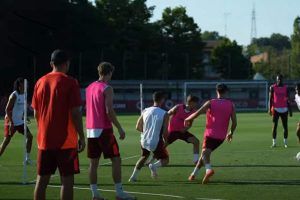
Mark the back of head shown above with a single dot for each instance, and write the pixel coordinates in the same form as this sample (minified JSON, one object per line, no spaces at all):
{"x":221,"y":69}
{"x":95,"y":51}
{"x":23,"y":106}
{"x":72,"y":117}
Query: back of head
{"x":105,"y":68}
{"x":59,"y":57}
{"x":221,"y":88}
{"x":17,"y":83}
{"x":159,"y":96}
{"x":192,"y":98}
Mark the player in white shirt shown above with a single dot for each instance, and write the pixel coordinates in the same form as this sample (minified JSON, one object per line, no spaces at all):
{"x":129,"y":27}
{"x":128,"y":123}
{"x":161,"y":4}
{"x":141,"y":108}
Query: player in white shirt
{"x":14,"y":118}
{"x":153,"y":125}
{"x":297,"y":100}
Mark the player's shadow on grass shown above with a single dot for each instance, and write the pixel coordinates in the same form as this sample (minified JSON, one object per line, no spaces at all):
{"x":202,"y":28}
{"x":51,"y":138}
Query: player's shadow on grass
{"x":257,"y":165}
{"x":138,"y":183}
{"x":259,"y":182}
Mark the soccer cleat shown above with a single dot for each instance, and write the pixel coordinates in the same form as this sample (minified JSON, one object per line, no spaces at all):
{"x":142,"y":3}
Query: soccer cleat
{"x":192,"y":177}
{"x":153,"y":171}
{"x":273,"y":145}
{"x":125,"y":196}
{"x":132,"y":179}
{"x":285,"y":146}
{"x":209,"y":173}
{"x":28,"y":162}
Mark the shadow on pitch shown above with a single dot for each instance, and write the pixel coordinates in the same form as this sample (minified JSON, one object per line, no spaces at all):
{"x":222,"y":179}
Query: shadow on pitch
{"x":259,"y":182}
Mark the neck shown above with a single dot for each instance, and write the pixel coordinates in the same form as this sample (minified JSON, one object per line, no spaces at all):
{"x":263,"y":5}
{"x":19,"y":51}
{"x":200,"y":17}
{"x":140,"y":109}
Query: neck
{"x":103,"y":78}
{"x":221,"y":96}
{"x":59,"y":70}
{"x":156,"y":104}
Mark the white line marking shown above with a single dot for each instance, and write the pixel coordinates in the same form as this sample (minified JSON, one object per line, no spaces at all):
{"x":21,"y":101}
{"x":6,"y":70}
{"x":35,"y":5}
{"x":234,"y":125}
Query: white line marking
{"x":142,"y":193}
{"x":126,"y":158}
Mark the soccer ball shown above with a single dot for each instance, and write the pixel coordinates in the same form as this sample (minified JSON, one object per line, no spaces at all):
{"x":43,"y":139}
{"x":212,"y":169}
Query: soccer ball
{"x":298,"y":156}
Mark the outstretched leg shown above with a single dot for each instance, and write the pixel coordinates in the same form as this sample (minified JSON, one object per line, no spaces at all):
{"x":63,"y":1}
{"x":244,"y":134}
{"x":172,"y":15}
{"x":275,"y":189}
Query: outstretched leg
{"x":140,"y":163}
{"x":4,"y":144}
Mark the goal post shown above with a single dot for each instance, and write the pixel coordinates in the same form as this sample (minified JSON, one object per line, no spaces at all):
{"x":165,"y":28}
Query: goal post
{"x":247,"y":95}
{"x":24,"y":181}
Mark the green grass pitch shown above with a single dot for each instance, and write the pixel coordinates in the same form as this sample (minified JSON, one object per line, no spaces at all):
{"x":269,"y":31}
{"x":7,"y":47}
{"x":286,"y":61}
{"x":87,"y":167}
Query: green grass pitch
{"x":245,"y":169}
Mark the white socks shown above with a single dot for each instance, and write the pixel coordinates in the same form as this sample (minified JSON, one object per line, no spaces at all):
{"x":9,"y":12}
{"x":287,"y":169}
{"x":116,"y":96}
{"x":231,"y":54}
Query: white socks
{"x":207,"y":167}
{"x":119,"y":189}
{"x":196,"y":157}
{"x":157,"y":164}
{"x":274,"y":141}
{"x":285,"y":141}
{"x":27,"y":156}
{"x":94,"y":190}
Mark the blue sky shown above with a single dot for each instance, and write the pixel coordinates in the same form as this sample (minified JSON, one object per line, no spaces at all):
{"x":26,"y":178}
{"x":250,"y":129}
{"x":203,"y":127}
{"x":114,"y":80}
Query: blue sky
{"x":272,"y":16}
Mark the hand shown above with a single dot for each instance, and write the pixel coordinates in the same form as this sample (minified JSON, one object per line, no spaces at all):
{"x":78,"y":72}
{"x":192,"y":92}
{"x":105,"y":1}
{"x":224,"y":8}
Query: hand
{"x":188,"y":123}
{"x":270,"y":112}
{"x":122,"y":134}
{"x":81,"y":144}
{"x":229,"y":136}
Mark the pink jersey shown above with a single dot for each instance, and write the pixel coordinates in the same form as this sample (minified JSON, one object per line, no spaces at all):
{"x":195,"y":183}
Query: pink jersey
{"x":96,"y":117}
{"x":217,"y":118}
{"x":279,"y":96}
{"x":177,"y":121}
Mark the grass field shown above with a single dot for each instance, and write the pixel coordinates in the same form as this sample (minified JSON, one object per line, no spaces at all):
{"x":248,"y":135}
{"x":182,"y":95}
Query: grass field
{"x":245,"y":169}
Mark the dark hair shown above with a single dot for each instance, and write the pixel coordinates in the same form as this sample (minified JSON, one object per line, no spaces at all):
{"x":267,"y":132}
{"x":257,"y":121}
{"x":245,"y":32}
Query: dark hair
{"x":17,"y":84}
{"x":221,"y":88}
{"x":192,"y":98}
{"x":158,"y":96}
{"x":298,"y":86}
{"x":280,"y":76}
{"x":105,"y":68}
{"x":59,"y":57}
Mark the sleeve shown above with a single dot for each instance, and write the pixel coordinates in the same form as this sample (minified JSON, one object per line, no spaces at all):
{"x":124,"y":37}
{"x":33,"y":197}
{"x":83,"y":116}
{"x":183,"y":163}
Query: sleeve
{"x":75,"y":97}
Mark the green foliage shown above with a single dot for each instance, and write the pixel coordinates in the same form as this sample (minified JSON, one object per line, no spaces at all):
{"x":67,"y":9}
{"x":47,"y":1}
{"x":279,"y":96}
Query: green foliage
{"x":295,"y":54}
{"x":211,"y":35}
{"x":229,"y":60}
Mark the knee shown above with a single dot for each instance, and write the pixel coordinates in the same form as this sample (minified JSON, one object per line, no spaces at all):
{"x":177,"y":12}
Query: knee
{"x":116,"y":160}
{"x":196,"y":141}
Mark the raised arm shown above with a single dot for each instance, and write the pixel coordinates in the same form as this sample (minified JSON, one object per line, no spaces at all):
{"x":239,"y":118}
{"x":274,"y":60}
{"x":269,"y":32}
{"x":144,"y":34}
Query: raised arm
{"x":108,"y":93}
{"x":189,"y":121}
{"x":173,"y":110}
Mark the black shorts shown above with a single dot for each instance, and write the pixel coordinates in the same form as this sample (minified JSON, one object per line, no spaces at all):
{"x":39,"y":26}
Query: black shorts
{"x":276,"y":115}
{"x":176,"y":135}
{"x":211,"y":143}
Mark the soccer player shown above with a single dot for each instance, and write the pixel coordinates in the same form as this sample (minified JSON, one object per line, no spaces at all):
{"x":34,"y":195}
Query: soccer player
{"x":57,"y":108}
{"x":100,"y":116}
{"x":297,"y":100}
{"x":153,"y":125}
{"x":176,"y":128}
{"x":279,"y":106}
{"x":219,"y":112}
{"x":14,"y":118}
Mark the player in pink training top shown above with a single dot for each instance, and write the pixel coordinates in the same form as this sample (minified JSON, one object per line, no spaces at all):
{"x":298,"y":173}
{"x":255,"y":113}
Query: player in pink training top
{"x":176,"y":128}
{"x":100,"y":116}
{"x":279,"y":106}
{"x":218,"y":114}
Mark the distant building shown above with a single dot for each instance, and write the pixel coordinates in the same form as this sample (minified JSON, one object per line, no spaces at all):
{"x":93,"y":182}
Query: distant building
{"x":260,"y":58}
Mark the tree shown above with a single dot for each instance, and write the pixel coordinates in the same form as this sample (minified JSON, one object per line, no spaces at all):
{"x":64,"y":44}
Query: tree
{"x":295,"y":53}
{"x":183,"y":44}
{"x":230,"y":62}
{"x":276,"y":40}
{"x":213,"y":35}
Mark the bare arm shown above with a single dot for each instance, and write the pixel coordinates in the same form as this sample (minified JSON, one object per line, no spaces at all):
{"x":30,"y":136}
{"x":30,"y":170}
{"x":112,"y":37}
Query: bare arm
{"x":188,"y":121}
{"x":271,"y":100}
{"x":173,"y":110}
{"x":233,"y":124}
{"x":165,"y":127}
{"x":139,"y":124}
{"x":108,"y":93}
{"x":77,"y":121}
{"x":289,"y":103}
{"x":9,"y":107}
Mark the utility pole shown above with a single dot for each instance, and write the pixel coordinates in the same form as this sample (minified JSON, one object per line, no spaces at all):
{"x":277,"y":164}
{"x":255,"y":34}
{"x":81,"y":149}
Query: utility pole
{"x":226,"y":14}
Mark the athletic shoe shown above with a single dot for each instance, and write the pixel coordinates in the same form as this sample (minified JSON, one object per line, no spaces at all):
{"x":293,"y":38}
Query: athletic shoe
{"x":192,"y":177}
{"x":273,"y":146}
{"x":28,"y":162}
{"x":132,"y":179}
{"x":125,"y":196}
{"x":285,"y":146}
{"x":209,"y":173}
{"x":153,"y":171}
